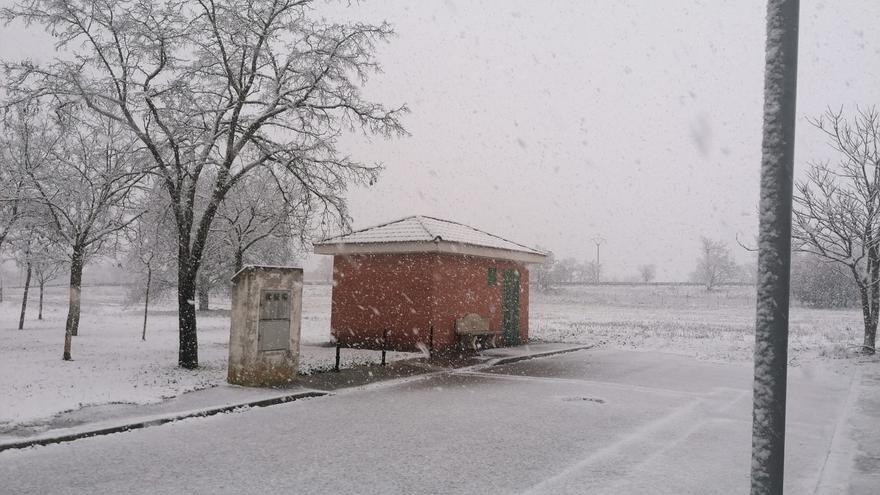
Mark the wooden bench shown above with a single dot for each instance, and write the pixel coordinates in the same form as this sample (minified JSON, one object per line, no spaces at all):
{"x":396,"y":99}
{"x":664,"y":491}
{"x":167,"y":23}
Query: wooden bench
{"x":472,"y":328}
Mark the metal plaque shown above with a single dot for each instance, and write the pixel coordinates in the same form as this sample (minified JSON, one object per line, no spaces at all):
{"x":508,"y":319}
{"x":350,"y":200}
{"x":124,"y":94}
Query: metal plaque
{"x":274,"y":328}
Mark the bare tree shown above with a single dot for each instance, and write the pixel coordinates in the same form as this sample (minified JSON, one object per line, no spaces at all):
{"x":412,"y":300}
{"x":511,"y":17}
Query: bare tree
{"x":542,"y":274}
{"x":216,"y":90}
{"x":249,"y":219}
{"x":11,"y":194}
{"x":251,"y":227}
{"x":590,"y":271}
{"x":837,"y":207}
{"x":86,"y":188}
{"x":48,"y":265}
{"x":565,"y":270}
{"x":25,"y":261}
{"x":715,"y":266}
{"x":39,"y":256}
{"x":147,"y":244}
{"x":647,"y":273}
{"x":21,"y":146}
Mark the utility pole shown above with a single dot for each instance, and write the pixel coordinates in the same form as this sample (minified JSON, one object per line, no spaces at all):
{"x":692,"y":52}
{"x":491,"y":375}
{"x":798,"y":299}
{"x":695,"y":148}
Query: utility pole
{"x":774,"y":252}
{"x":598,"y":240}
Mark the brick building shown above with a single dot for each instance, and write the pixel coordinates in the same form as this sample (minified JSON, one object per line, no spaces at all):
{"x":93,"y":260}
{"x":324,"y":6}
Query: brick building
{"x":415,"y":276}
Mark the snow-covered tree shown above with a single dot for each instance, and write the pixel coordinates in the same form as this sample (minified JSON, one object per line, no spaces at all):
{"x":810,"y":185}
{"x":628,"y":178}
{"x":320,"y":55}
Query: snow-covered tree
{"x":715,"y":266}
{"x":837,"y":207}
{"x":543,"y":274}
{"x":22,"y":145}
{"x":85,"y":188}
{"x":24,"y":260}
{"x":150,"y":240}
{"x":214,"y":91}
{"x":11,"y":193}
{"x":41,"y":258}
{"x":25,"y":144}
{"x":49,"y":263}
{"x":565,"y":270}
{"x":590,"y":272}
{"x":252,"y":227}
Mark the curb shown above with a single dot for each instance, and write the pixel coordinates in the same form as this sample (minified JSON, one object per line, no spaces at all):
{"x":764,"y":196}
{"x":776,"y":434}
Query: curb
{"x":514,"y":359}
{"x":156,"y":421}
{"x":839,"y":452}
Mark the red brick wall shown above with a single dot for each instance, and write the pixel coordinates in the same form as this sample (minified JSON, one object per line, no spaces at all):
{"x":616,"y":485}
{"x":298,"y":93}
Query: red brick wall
{"x":374,"y":292}
{"x":408,"y":293}
{"x":461,"y":286}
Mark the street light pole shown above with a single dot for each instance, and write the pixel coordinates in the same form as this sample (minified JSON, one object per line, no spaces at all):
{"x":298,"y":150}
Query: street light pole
{"x":598,"y":240}
{"x":774,"y":252}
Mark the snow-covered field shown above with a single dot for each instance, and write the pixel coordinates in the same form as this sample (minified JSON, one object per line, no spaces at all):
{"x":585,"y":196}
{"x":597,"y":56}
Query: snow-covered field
{"x":716,"y":326}
{"x":112,"y":365}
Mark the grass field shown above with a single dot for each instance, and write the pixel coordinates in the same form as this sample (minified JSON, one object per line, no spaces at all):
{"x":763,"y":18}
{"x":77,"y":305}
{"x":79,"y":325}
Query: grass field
{"x":111,"y":363}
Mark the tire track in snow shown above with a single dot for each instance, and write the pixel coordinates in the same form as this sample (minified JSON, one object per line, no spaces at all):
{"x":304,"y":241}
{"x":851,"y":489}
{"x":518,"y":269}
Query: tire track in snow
{"x":614,"y":462}
{"x":613,"y":385}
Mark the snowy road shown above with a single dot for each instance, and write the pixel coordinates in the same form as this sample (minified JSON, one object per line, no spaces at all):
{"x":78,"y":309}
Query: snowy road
{"x":585,"y":422}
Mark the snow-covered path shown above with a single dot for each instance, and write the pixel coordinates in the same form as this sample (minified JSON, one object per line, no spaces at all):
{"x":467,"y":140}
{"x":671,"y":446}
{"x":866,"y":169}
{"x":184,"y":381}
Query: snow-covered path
{"x":585,"y":422}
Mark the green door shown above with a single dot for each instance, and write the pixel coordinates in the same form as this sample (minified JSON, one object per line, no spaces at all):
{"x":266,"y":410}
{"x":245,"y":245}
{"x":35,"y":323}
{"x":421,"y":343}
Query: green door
{"x":510,"y":308}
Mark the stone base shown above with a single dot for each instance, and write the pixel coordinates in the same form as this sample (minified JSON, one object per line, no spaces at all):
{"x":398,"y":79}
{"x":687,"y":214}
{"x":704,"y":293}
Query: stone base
{"x":262,"y":376}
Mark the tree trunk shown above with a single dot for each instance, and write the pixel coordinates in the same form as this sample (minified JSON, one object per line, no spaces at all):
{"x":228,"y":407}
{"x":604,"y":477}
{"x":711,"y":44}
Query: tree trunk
{"x":874,"y":270}
{"x":870,"y":335}
{"x":72,"y":326}
{"x":77,"y":261}
{"x":874,"y":313}
{"x":24,"y":297}
{"x":203,"y":290}
{"x":188,"y":350}
{"x":869,"y":317}
{"x":239,"y":260}
{"x":147,"y":300}
{"x":40,"y":312}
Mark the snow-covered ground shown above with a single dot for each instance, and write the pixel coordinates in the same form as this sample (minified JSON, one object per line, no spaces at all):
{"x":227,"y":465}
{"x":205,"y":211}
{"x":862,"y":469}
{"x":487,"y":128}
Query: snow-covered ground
{"x":715,"y":326}
{"x":112,"y":365}
{"x":597,"y":421}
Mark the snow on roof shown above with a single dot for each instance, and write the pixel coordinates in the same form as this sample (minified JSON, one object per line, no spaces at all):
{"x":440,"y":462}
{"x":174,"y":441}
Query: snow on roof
{"x":424,"y":230}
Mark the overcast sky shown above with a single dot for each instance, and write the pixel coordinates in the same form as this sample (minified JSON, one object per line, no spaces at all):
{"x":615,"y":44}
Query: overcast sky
{"x":551,"y":123}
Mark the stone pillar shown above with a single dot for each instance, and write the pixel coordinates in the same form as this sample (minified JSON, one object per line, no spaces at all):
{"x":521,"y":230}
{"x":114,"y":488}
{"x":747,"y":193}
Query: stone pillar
{"x":265,"y":326}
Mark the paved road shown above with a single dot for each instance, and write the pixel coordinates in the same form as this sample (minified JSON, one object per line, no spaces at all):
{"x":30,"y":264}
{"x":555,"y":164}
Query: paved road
{"x":585,"y":422}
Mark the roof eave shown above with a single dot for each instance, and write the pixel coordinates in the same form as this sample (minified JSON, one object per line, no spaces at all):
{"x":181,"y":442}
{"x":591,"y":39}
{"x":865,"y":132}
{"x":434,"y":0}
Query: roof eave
{"x":444,"y":247}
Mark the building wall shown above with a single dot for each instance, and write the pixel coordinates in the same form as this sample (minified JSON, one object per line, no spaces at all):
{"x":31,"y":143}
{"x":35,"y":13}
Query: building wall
{"x":461,"y":286}
{"x":375,"y":292}
{"x":411,"y":293}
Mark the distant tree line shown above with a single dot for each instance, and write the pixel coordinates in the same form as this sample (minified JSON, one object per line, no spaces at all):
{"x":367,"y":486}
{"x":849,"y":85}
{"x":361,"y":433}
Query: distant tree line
{"x":715,"y":267}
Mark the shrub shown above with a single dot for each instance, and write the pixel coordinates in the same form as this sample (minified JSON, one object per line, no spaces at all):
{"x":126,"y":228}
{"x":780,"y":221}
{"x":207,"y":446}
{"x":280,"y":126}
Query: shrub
{"x":822,"y":284}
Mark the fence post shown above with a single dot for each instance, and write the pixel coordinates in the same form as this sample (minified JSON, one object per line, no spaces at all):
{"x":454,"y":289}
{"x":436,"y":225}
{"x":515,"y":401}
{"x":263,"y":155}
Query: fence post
{"x":336,"y":368}
{"x":384,"y":344}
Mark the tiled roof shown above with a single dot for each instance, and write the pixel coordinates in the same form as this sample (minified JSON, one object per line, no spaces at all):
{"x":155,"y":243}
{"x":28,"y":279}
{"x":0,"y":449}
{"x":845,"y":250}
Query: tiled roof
{"x":427,"y":229}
